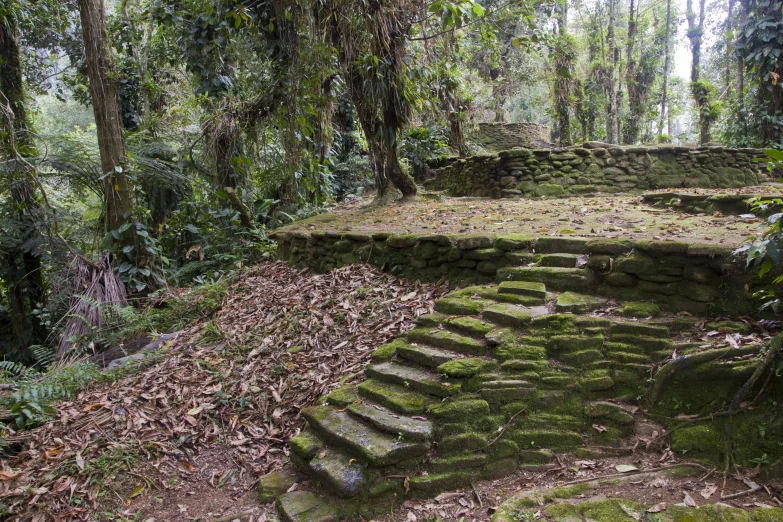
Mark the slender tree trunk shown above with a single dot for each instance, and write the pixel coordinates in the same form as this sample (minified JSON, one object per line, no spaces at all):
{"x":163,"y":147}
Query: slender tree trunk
{"x":611,"y":120}
{"x":729,"y":30}
{"x":741,"y":59}
{"x":635,"y":109}
{"x":106,"y":107}
{"x":666,"y":58}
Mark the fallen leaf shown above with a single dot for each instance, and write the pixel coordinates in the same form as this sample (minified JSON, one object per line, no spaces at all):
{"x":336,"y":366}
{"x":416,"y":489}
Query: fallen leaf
{"x":625,"y":468}
{"x":657,"y":508}
{"x":688,"y":499}
{"x":708,"y":490}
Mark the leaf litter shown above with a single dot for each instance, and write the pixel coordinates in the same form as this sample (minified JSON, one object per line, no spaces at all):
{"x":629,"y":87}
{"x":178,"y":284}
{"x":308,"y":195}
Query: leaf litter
{"x":238,"y":381}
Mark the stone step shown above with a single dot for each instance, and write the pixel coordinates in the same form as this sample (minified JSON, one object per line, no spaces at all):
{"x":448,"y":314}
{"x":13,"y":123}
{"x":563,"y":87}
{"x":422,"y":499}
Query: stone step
{"x":344,"y":476}
{"x":412,"y":378}
{"x":408,"y":428}
{"x":303,"y":506}
{"x":554,"y":440}
{"x":571,"y":302}
{"x":498,"y":393}
{"x":559,"y":260}
{"x":515,"y":316}
{"x":639,"y":328}
{"x":559,"y":279}
{"x":424,"y":355}
{"x":356,"y":437}
{"x":447,"y":340}
{"x":470,"y":326}
{"x":649,"y":344}
{"x":525,"y":288}
{"x":461,"y":305}
{"x":396,"y":398}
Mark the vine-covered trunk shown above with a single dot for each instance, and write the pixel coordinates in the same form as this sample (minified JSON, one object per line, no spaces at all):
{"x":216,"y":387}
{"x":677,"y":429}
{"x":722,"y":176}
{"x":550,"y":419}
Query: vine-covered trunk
{"x":632,"y":127}
{"x":106,"y":107}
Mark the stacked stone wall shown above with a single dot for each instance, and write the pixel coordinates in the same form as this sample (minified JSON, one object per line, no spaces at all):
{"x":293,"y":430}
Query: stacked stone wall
{"x":597,"y":168}
{"x":698,"y":278}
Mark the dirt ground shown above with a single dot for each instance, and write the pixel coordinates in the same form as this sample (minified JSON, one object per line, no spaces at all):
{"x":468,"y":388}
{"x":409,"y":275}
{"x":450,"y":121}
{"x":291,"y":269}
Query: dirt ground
{"x":600,"y":216}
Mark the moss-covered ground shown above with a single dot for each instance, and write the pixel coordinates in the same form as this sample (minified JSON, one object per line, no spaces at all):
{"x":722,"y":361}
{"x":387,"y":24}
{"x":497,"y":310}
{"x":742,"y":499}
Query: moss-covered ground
{"x":622,"y":216}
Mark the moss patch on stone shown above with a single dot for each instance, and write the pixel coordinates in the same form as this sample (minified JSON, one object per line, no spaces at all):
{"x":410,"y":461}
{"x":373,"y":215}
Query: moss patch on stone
{"x":640,"y":309}
{"x":465,"y":368}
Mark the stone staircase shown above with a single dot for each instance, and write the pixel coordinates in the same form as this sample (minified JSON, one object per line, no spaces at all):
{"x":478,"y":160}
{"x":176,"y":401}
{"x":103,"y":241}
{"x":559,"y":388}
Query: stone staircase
{"x":494,"y":380}
{"x":499,"y":378}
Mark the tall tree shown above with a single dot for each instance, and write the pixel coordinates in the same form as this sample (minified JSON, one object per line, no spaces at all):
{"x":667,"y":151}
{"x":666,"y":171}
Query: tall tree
{"x":564,"y":58}
{"x":106,"y":107}
{"x":702,"y":91}
{"x":666,"y":59}
{"x":612,"y":120}
{"x":370,"y":39}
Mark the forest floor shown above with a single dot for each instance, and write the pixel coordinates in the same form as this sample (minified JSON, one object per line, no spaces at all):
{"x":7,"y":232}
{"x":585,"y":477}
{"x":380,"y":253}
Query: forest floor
{"x":621,"y":216}
{"x":184,"y":434}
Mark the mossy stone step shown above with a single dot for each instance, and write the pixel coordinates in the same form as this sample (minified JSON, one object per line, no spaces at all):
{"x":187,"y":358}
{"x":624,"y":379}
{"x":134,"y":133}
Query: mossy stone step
{"x":553,"y":440}
{"x":498,"y":393}
{"x":609,"y":411}
{"x":408,"y":428}
{"x":303,"y":506}
{"x":412,"y":378}
{"x":344,"y":476}
{"x":621,"y":357}
{"x":465,"y":368}
{"x":459,"y":462}
{"x":493,"y":293}
{"x":396,"y":398}
{"x":552,"y":421}
{"x":559,"y":279}
{"x":347,"y":432}
{"x":461,"y":305}
{"x":430,"y":320}
{"x":521,"y":365}
{"x":526,"y":288}
{"x":306,"y":445}
{"x":469,"y":326}
{"x":642,"y":341}
{"x":424,"y":355}
{"x":521,"y":258}
{"x":580,"y":358}
{"x":571,"y":302}
{"x":574,"y":343}
{"x":559,"y":260}
{"x":516,"y":316}
{"x":447,"y":340}
{"x":615,"y":347}
{"x":639,"y":328}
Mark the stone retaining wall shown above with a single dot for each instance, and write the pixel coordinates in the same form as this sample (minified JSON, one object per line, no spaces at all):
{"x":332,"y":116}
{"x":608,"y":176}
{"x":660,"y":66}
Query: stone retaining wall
{"x":595,"y":168}
{"x":504,"y":136}
{"x":703,"y":279}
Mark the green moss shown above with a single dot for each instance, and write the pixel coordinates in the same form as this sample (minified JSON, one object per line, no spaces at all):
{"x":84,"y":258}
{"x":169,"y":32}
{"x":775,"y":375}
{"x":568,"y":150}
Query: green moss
{"x":433,"y":319}
{"x":342,"y":396}
{"x":549,"y":190}
{"x":447,"y":340}
{"x":593,"y":382}
{"x":728,"y":326}
{"x":700,"y":439}
{"x":461,"y":306}
{"x":572,"y":302}
{"x":470,"y":326}
{"x":515,"y":316}
{"x":500,"y":468}
{"x":458,"y":462}
{"x":523,"y":288}
{"x":580,"y":358}
{"x":465,"y":368}
{"x":640,"y":309}
{"x":306,"y":445}
{"x":460,"y":410}
{"x":395,"y":397}
{"x":435,"y":483}
{"x":387,"y":351}
{"x":609,"y":412}
{"x":553,"y":323}
{"x":575,"y":343}
{"x":546,"y":439}
{"x":504,"y":448}
{"x":272,"y":485}
{"x":508,"y":351}
{"x":462,"y":443}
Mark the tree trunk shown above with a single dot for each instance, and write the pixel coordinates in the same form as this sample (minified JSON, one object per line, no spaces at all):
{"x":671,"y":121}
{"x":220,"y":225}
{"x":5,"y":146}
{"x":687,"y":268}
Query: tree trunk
{"x":729,"y":30}
{"x":635,"y":108}
{"x":26,"y":290}
{"x":106,"y":107}
{"x":666,"y":59}
{"x":741,"y":60}
{"x":611,"y":116}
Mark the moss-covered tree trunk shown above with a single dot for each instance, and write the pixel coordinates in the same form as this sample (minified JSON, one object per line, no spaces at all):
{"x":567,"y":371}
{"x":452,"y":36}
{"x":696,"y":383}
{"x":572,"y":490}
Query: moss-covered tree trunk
{"x":106,"y":107}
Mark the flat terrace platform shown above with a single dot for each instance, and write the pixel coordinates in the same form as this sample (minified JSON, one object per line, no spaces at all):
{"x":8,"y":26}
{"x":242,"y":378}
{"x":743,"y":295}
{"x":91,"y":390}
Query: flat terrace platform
{"x":615,"y":216}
